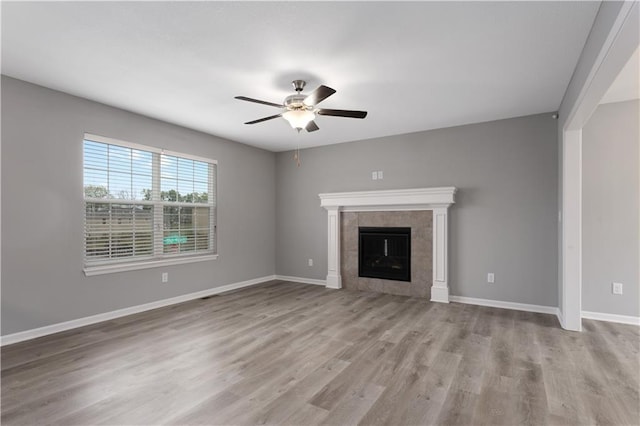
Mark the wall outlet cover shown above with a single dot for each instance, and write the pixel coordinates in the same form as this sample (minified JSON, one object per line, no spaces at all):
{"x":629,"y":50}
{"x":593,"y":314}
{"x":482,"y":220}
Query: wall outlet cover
{"x":165,"y":277}
{"x":310,"y":262}
{"x":380,"y":175}
{"x":491,"y":277}
{"x":374,"y":175}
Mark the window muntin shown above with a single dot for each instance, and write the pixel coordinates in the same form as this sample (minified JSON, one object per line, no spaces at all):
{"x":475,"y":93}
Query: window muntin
{"x":142,"y":203}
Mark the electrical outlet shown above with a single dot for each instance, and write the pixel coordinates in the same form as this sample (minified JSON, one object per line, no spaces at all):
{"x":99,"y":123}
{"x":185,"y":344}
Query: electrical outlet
{"x":310,"y":262}
{"x":165,"y":277}
{"x":374,"y":175}
{"x":616,"y":288}
{"x":380,"y":175}
{"x":491,"y":278}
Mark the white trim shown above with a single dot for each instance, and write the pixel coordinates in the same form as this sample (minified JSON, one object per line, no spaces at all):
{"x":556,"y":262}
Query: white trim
{"x":439,"y":265}
{"x":301,"y":280}
{"x":540,"y":309}
{"x":413,"y":199}
{"x":601,"y":316}
{"x":615,"y":28}
{"x":572,"y":229}
{"x":334,"y":279}
{"x":81,"y":322}
{"x":440,"y":294}
{"x":334,"y":282}
{"x":394,"y":208}
{"x":90,"y":271}
{"x":560,"y":318}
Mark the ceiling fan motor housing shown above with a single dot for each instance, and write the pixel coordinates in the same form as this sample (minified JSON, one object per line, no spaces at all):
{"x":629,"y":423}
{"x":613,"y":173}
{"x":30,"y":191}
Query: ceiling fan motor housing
{"x":295,"y":102}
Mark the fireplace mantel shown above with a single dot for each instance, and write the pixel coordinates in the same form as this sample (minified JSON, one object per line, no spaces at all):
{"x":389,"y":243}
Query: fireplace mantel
{"x":436,"y":199}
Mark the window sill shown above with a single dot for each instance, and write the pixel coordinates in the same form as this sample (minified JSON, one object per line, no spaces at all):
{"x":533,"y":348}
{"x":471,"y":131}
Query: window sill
{"x":133,"y":266}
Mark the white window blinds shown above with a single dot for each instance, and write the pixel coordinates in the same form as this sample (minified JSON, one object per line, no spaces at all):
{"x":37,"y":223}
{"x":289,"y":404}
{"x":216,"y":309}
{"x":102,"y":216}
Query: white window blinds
{"x":142,"y":203}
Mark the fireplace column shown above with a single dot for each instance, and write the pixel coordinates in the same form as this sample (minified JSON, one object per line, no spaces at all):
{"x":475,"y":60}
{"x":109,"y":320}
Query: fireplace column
{"x":440,"y":287}
{"x":334,"y":280}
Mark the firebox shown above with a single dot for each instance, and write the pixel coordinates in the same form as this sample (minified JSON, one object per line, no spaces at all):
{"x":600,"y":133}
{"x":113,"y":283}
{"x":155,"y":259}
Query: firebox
{"x":384,"y":253}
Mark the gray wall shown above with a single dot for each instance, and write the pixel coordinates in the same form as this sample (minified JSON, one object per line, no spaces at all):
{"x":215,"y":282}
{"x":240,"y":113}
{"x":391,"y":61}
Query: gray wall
{"x":42,"y":210}
{"x":611,"y":209}
{"x":504,"y":220}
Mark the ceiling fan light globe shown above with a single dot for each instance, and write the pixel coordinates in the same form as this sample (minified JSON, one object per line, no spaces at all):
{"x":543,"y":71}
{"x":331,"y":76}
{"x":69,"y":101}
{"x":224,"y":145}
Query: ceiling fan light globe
{"x":299,"y":118}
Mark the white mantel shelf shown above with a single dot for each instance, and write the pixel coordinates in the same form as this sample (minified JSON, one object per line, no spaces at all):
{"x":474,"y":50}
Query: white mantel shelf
{"x":436,"y":199}
{"x":411,"y":199}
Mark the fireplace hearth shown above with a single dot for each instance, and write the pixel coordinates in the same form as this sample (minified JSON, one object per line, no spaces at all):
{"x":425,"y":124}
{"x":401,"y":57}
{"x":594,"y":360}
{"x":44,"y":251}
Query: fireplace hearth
{"x":384,"y":253}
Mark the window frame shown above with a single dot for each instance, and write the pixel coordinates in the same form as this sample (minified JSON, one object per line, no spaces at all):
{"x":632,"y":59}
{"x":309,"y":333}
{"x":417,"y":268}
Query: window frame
{"x":158,"y":258}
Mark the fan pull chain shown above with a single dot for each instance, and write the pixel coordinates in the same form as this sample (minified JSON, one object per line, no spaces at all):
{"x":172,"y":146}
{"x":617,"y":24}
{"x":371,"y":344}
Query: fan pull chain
{"x":296,"y":154}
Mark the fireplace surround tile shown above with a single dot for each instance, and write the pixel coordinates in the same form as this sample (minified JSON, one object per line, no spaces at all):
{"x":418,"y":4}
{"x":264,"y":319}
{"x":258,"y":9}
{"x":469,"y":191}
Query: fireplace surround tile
{"x":421,"y":224}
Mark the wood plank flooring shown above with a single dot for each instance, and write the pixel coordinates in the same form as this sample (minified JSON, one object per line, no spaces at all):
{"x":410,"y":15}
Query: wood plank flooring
{"x":294,"y":354}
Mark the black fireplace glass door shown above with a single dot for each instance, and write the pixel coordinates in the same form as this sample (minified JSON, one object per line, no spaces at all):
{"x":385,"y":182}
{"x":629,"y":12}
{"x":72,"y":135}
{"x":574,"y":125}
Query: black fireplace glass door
{"x":384,"y":253}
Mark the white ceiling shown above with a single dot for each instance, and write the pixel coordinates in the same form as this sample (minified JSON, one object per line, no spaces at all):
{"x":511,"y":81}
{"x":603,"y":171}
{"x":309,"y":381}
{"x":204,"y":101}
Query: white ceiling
{"x":414,"y":66}
{"x":626,"y":86}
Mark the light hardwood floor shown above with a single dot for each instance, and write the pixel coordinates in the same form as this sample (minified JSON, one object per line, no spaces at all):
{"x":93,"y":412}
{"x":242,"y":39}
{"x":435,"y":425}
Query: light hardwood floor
{"x":295,"y":354}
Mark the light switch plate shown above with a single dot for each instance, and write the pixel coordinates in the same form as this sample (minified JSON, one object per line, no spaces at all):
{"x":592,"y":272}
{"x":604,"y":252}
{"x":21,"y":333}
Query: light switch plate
{"x":616,"y":288}
{"x":380,"y":175}
{"x":491,"y":277}
{"x":374,"y":175}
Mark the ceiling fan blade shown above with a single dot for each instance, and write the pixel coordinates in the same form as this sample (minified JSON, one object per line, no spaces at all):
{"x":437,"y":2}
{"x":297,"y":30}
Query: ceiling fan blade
{"x":342,"y":113}
{"x":258,"y":101}
{"x":260,"y":120}
{"x":312,"y":126}
{"x":318,"y":95}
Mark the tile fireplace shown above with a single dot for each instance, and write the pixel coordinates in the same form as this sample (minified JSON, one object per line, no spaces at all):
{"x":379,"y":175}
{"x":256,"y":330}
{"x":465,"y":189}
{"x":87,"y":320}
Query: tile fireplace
{"x":435,"y":200}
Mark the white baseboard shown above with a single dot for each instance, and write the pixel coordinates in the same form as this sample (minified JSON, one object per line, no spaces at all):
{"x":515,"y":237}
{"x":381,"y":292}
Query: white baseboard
{"x":506,"y":305}
{"x":560,"y":318}
{"x":622,"y":319}
{"x":80,"y":322}
{"x":301,"y":280}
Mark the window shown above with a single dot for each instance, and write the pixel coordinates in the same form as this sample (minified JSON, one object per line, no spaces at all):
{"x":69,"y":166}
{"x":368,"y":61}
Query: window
{"x":145,"y":207}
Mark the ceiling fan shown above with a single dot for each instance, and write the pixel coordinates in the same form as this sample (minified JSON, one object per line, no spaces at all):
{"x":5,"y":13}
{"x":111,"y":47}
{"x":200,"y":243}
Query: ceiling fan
{"x":300,"y":110}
